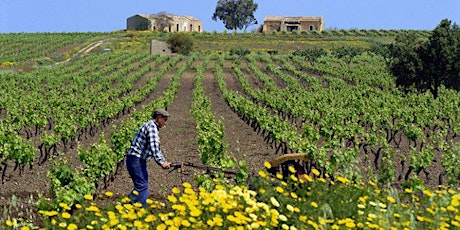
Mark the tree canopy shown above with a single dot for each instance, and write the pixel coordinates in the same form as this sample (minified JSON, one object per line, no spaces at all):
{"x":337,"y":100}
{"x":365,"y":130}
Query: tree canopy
{"x":426,"y":64}
{"x":236,"y":14}
{"x":180,"y":43}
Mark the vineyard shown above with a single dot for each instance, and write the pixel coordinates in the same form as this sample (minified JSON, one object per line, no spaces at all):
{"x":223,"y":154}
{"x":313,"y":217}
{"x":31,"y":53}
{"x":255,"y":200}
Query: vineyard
{"x":65,"y":126}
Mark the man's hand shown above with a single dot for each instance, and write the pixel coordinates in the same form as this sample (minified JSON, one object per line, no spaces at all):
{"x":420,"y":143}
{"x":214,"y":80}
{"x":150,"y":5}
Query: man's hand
{"x":166,"y":165}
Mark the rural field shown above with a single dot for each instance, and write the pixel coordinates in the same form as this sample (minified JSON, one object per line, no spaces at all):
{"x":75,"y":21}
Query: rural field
{"x":362,"y":153}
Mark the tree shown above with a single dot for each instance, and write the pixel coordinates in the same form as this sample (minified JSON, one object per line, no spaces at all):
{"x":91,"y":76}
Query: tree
{"x":235,"y":14}
{"x":180,"y":43}
{"x":428,"y":64}
{"x":440,"y":57}
{"x":405,"y":63}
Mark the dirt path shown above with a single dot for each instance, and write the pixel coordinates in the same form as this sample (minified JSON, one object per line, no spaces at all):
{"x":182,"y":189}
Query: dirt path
{"x":244,"y":143}
{"x":177,"y":138}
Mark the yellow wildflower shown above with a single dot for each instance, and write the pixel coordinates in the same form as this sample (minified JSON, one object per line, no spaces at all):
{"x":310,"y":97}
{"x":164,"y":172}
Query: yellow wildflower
{"x":282,"y":217}
{"x":72,"y":226}
{"x":262,"y":174}
{"x":343,"y":180}
{"x":350,"y":224}
{"x":175,"y":190}
{"x":274,"y":202}
{"x":48,"y":213}
{"x":92,"y":209}
{"x":64,"y":206}
{"x":314,"y":204}
{"x":391,"y":199}
{"x":186,"y":185}
{"x":428,"y":193}
{"x":108,"y":194}
{"x":455,"y":223}
{"x":315,"y":172}
{"x":162,"y":227}
{"x":185,"y":223}
{"x":9,"y":223}
{"x":308,"y":178}
{"x":65,"y":215}
{"x":172,"y":198}
{"x":267,"y":165}
{"x":455,"y":201}
{"x":195,"y":212}
{"x":150,"y":218}
{"x":279,"y":189}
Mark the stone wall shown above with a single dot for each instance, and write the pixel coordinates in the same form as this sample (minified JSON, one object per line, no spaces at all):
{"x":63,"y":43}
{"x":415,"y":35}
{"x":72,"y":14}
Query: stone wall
{"x":137,"y":22}
{"x":159,"y":47}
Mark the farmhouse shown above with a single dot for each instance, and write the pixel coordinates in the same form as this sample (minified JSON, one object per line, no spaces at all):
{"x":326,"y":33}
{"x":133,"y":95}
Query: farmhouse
{"x":165,"y":22}
{"x":281,"y":23}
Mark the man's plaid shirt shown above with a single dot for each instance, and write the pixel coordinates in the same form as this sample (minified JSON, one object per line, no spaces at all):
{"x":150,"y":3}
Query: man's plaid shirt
{"x":146,"y":143}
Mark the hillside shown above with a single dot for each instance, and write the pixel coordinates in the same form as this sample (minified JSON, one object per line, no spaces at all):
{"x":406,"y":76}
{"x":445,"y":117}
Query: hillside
{"x":70,"y":108}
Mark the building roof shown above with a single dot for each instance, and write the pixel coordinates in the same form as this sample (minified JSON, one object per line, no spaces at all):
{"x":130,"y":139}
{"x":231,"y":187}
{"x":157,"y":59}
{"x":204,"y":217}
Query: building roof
{"x":174,"y":17}
{"x":290,"y":18}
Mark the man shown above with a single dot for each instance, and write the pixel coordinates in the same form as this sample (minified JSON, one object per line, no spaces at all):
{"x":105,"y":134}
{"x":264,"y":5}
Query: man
{"x":145,"y":145}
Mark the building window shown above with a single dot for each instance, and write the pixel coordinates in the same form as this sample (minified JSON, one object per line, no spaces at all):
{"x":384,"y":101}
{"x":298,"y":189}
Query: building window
{"x":177,"y":27}
{"x":312,"y":28}
{"x":191,"y":27}
{"x":292,"y":28}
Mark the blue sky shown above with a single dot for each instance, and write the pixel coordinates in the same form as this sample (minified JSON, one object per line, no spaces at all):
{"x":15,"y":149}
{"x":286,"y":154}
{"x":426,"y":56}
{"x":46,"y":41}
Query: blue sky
{"x":32,"y":16}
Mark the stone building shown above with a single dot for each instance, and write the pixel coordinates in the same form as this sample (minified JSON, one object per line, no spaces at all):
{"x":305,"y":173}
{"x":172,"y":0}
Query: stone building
{"x":166,"y":22}
{"x":289,"y":24}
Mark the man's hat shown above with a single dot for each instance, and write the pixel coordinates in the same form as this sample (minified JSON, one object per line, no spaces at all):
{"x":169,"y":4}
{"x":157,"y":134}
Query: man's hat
{"x":160,"y":112}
